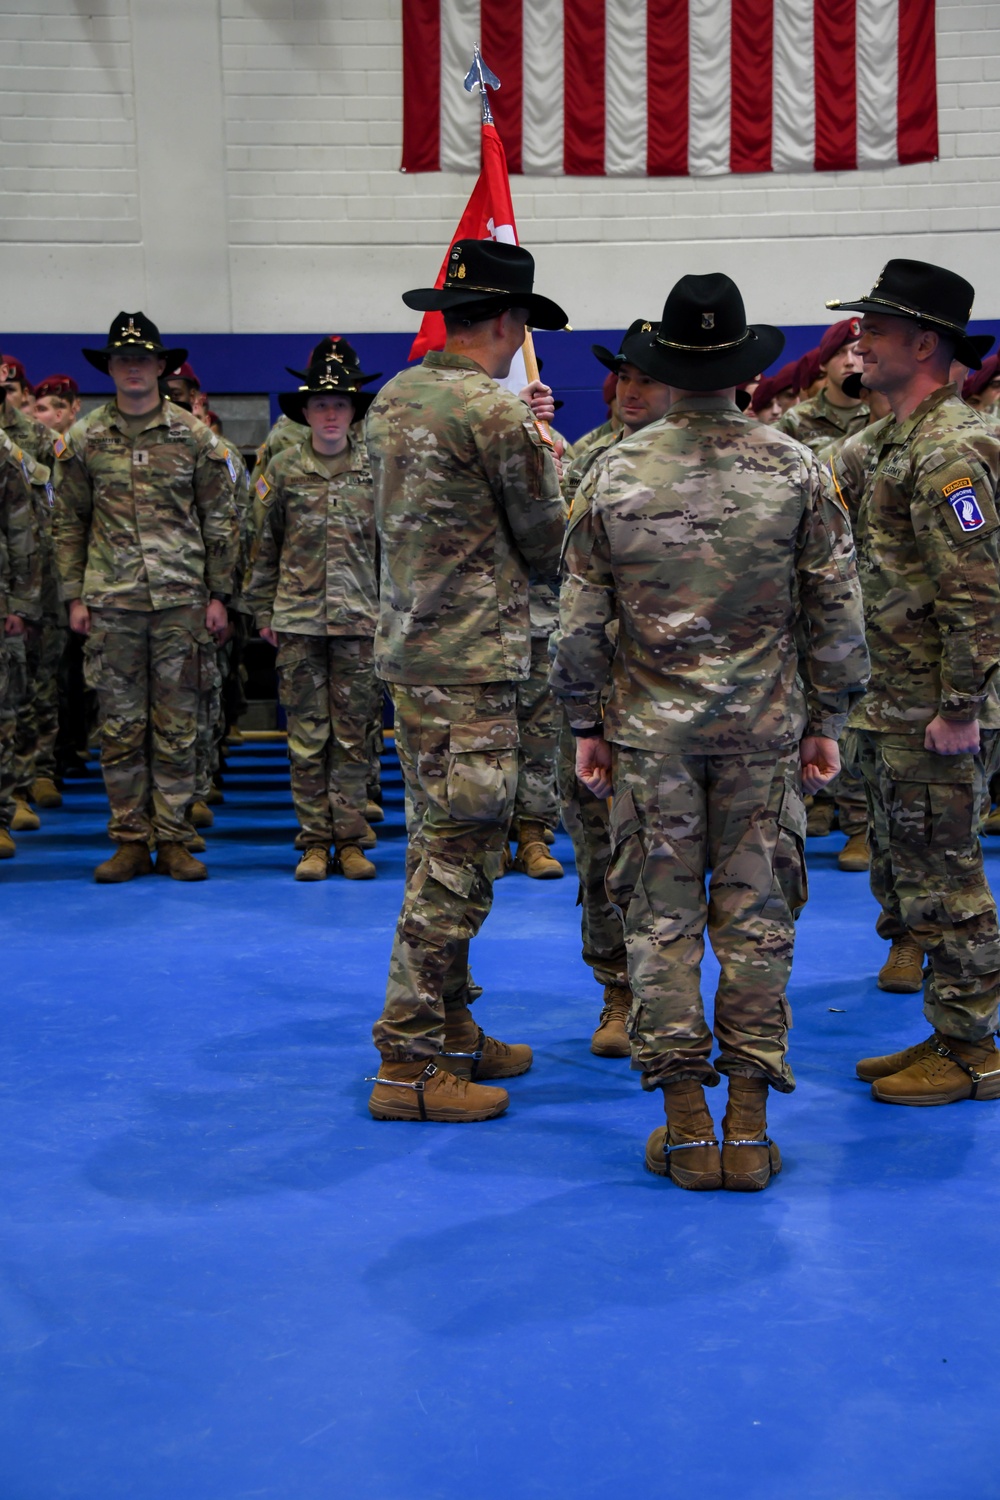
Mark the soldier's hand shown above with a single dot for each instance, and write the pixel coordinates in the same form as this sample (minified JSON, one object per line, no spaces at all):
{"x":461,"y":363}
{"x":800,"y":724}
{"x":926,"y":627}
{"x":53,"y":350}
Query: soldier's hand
{"x":951,"y":737}
{"x":14,"y":625}
{"x":216,"y":619}
{"x":539,"y":398}
{"x":820,"y":759}
{"x":268,"y":635}
{"x":79,"y":617}
{"x":593,"y":765}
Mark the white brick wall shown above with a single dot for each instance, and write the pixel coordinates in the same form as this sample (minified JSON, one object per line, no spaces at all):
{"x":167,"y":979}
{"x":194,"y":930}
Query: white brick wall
{"x":315,"y":225}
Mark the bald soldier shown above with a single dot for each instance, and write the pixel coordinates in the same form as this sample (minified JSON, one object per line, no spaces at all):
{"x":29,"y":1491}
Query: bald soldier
{"x":704,"y":534}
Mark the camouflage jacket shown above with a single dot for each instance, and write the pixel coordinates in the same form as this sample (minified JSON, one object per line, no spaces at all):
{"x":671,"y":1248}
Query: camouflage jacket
{"x":20,"y":560}
{"x":611,"y":428}
{"x":707,"y":532}
{"x":146,"y":521}
{"x":284,"y":434}
{"x":34,"y":442}
{"x":584,"y":460}
{"x":466,"y":502}
{"x":928,"y":539}
{"x":818,"y":423}
{"x":315,"y":569}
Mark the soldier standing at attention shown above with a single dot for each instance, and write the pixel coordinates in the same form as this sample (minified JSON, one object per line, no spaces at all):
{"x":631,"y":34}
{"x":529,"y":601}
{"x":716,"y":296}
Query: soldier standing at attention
{"x":832,"y":414}
{"x":146,"y":541}
{"x":705,"y":534}
{"x":929,"y":561}
{"x":466,"y":502}
{"x":314,"y":592}
{"x":20,"y":605}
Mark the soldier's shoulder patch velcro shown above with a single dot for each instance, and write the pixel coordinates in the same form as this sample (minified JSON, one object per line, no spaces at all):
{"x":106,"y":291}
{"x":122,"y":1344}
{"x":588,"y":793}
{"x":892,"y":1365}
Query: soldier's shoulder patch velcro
{"x":961,"y":496}
{"x":263,"y":488}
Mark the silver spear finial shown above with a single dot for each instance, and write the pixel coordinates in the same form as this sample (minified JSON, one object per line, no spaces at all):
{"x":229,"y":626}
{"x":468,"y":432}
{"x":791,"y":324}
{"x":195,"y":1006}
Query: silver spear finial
{"x":482,"y":78}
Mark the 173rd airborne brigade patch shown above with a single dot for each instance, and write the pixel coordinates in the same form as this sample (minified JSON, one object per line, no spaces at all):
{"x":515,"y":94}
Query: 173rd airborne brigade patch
{"x":961,"y":496}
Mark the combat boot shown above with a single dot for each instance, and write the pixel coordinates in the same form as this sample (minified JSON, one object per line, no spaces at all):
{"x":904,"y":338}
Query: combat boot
{"x":949,"y":1070}
{"x":7,"y":846}
{"x":470,"y":1053}
{"x":423,"y":1091}
{"x":200,"y":815}
{"x":351,"y":862}
{"x":25,"y":819}
{"x":194,"y":843}
{"x":855,"y":855}
{"x":373,"y":812}
{"x":45,"y":793}
{"x":903,"y":971}
{"x":611,"y":1038}
{"x":128,"y":861}
{"x":819,"y":819}
{"x":174,"y":860}
{"x":749,"y":1157}
{"x":991,"y":823}
{"x":215,"y":795}
{"x":871,"y":1068}
{"x":686,"y":1149}
{"x":314,"y":864}
{"x":533,"y":857}
{"x":368,"y":840}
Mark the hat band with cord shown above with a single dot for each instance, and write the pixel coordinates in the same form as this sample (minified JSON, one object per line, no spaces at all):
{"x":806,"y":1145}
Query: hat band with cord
{"x":702,"y":348}
{"x":908,"y":312}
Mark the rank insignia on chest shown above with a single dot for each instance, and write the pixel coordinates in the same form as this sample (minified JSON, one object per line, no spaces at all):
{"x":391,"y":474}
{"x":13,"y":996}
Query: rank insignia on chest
{"x":263,"y":488}
{"x":961,"y":496}
{"x":140,"y":457}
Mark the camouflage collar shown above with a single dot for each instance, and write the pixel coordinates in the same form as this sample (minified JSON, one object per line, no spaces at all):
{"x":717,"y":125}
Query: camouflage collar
{"x":703,"y":404}
{"x":840,"y":416}
{"x":437,"y":359}
{"x":355,"y":452}
{"x":902,"y":431}
{"x":114,"y":414}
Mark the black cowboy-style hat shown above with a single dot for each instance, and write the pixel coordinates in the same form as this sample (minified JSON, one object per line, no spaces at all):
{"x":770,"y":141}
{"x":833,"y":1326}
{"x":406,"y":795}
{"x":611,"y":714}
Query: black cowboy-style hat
{"x":635,"y":330}
{"x":929,"y":295}
{"x":337,"y":348}
{"x":703,"y":341}
{"x":134,"y":331}
{"x":483,"y":279}
{"x":328,"y":374}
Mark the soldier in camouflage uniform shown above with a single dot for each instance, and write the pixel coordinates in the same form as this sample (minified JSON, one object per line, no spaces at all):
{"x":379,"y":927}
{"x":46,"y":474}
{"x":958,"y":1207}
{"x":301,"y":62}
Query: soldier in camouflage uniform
{"x":929,"y":561}
{"x":146,"y":541}
{"x":314,"y":592}
{"x":20,"y":605}
{"x":466,"y":502}
{"x":700,"y":533}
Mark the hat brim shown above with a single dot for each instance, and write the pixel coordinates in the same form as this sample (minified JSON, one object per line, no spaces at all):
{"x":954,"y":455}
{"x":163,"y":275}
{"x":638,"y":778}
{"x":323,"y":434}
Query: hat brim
{"x":606,"y":358}
{"x":542,"y":311}
{"x":293,"y":403}
{"x":709,"y":369}
{"x":99,"y":357}
{"x":969,"y":348}
{"x":358,"y":379}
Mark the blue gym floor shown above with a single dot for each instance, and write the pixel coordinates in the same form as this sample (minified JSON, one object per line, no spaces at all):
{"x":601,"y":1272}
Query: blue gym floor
{"x":222,"y":1279}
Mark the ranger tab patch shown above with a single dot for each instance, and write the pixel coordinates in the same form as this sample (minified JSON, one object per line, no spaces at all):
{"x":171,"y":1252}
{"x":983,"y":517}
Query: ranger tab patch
{"x":961,"y":496}
{"x":263,"y":488}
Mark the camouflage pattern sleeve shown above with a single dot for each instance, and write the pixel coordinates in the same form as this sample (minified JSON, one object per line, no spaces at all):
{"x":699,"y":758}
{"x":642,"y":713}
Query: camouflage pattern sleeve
{"x":265,"y":560}
{"x":583,"y":649}
{"x":72,"y":511}
{"x":215,"y":486}
{"x":521,"y":471}
{"x":22,"y":560}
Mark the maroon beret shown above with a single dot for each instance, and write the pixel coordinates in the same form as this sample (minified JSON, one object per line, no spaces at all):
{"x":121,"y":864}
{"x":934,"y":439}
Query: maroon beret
{"x":978,"y":380}
{"x":837,"y":336}
{"x":63,"y":386}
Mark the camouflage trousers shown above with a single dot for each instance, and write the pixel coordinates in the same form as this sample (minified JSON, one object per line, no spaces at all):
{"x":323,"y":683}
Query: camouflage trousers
{"x":674,"y":818}
{"x":927,"y":871}
{"x":586,"y":819}
{"x":847,"y":793}
{"x":458,"y":749}
{"x":328,"y":690}
{"x":538,"y":720}
{"x":38,"y":716}
{"x":145,"y":668}
{"x":13,"y":676}
{"x":209,"y":719}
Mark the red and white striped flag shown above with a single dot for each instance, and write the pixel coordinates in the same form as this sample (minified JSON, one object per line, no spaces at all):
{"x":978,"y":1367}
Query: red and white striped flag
{"x":667,"y":88}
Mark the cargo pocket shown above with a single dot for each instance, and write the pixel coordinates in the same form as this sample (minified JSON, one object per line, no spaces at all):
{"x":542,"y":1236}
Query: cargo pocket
{"x":932,"y":803}
{"x":93,"y":658}
{"x":482,"y":771}
{"x":790,"y":874}
{"x":628,"y":856}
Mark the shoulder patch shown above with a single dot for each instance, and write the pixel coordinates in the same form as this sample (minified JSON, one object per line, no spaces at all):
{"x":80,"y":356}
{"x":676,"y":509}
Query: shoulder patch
{"x":59,"y":447}
{"x":230,"y":465}
{"x":961,"y":496}
{"x":263,"y":488}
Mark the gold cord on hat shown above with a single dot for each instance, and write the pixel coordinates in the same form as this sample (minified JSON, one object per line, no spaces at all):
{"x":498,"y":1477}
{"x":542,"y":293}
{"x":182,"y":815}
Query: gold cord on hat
{"x":702,"y":348}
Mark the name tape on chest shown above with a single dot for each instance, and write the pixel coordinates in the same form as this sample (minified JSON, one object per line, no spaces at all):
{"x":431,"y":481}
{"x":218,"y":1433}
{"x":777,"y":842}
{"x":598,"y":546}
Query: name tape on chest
{"x":961,"y":496}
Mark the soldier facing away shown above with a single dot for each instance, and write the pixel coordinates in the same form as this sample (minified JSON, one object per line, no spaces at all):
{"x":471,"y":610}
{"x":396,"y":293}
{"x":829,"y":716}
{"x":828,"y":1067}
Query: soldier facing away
{"x":704,"y":533}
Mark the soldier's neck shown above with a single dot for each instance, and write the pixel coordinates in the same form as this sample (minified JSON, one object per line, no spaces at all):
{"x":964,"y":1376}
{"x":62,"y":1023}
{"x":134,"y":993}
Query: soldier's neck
{"x":905,"y":402}
{"x":836,"y":397}
{"x":142,"y":405}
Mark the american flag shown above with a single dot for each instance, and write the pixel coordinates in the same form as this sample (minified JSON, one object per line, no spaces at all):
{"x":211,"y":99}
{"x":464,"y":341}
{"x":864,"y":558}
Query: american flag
{"x":667,"y":88}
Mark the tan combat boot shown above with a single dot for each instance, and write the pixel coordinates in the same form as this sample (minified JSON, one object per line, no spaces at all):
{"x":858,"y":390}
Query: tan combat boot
{"x":368,"y":840}
{"x":611,"y":1038}
{"x":351,"y":862}
{"x":749,"y":1158}
{"x":128,"y":861}
{"x":951,"y":1069}
{"x":991,"y":823}
{"x":373,"y":812}
{"x":174,"y":860}
{"x":855,"y":855}
{"x":215,"y":795}
{"x":686,"y":1149}
{"x":903,"y":971}
{"x":45,"y":793}
{"x":200,"y":815}
{"x":533,"y":857}
{"x":7,"y":846}
{"x":819,"y":819}
{"x":314,"y":864}
{"x":871,"y":1068}
{"x":469,"y":1053}
{"x":25,"y":819}
{"x":423,"y":1091}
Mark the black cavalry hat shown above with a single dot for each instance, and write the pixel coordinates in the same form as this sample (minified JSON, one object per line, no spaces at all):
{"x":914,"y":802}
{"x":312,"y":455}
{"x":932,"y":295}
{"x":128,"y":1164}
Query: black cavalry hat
{"x":336,"y":347}
{"x":134,"y":331}
{"x":329,"y":374}
{"x":929,"y":295}
{"x":483,"y":278}
{"x":634,"y":331}
{"x":703,"y":341}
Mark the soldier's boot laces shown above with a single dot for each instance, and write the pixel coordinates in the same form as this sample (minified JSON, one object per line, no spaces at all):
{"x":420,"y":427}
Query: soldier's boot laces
{"x":128,"y":861}
{"x":25,"y":819}
{"x":423,"y":1091}
{"x":45,"y":794}
{"x":7,"y":846}
{"x":855,"y":855}
{"x":373,"y":812}
{"x":175,"y":861}
{"x":533,"y":857}
{"x":819,"y":819}
{"x":903,"y":971}
{"x":949,"y":1070}
{"x":686,"y":1149}
{"x":469,"y":1053}
{"x":749,"y":1157}
{"x":351,"y":862}
{"x":314,"y":864}
{"x":200,"y":815}
{"x":611,"y":1039}
{"x":871,"y":1068}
